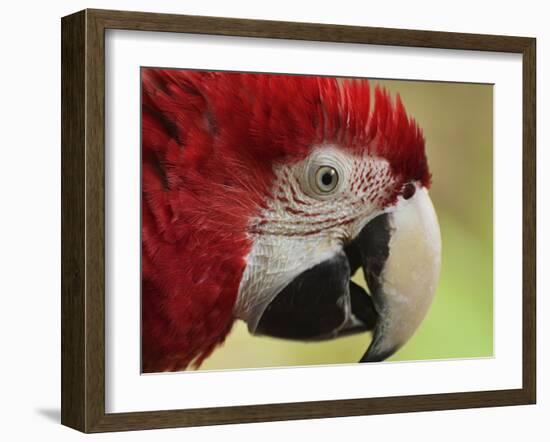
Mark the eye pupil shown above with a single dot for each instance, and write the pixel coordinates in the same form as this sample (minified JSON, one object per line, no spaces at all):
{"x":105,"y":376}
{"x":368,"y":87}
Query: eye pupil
{"x":326,"y":179}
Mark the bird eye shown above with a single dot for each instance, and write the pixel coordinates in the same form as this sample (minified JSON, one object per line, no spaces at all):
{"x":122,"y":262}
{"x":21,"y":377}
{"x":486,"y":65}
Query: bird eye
{"x":325,"y":173}
{"x":326,"y":179}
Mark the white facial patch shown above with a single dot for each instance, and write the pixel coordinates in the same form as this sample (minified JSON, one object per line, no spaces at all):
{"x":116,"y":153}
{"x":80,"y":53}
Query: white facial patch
{"x":304,"y":225}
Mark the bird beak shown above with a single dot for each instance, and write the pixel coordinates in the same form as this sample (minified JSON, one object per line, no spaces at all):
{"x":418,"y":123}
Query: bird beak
{"x":401,"y":257}
{"x":400,"y":254}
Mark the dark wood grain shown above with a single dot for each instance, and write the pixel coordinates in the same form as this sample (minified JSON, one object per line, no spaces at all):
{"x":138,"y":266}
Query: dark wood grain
{"x":73,"y":128}
{"x":83,"y":220}
{"x":529,"y":221}
{"x":144,"y":21}
{"x":95,"y":221}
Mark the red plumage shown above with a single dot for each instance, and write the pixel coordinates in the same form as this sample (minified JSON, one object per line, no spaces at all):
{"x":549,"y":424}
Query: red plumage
{"x":209,"y":142}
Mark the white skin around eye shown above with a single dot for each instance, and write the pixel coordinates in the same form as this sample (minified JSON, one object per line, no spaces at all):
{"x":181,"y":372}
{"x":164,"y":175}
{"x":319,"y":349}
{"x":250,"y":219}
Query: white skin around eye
{"x":297,"y":230}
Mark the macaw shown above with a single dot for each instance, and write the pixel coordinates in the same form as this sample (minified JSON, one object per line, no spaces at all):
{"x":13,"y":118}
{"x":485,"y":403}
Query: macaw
{"x":262,"y":195}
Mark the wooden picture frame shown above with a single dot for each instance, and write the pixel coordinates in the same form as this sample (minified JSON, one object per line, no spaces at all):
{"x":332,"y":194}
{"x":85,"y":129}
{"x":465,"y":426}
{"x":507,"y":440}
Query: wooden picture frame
{"x":83,"y":220}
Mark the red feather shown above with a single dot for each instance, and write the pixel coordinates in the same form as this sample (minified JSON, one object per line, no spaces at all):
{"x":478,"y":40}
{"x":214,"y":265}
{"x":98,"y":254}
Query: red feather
{"x":209,"y":142}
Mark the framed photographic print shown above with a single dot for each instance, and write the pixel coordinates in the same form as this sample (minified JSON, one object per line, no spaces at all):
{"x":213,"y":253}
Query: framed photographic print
{"x":269,"y":220}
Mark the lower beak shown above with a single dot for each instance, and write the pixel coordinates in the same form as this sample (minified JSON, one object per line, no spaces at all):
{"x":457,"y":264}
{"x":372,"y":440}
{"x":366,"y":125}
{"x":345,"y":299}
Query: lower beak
{"x":400,"y":254}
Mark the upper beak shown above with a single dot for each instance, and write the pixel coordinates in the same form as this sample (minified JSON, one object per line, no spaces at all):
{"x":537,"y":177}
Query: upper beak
{"x":400,"y":254}
{"x":402,"y":272}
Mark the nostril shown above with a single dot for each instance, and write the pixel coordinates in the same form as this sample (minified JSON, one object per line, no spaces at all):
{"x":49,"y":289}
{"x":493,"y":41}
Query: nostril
{"x":408,"y":191}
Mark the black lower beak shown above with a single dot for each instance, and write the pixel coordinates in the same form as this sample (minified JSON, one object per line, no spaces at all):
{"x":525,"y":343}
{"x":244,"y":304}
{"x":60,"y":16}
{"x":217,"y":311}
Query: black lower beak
{"x":319,"y":304}
{"x":323,"y":302}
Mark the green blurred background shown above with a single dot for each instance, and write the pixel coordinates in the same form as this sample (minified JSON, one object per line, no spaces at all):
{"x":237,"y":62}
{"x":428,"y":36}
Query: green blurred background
{"x":457,"y":120}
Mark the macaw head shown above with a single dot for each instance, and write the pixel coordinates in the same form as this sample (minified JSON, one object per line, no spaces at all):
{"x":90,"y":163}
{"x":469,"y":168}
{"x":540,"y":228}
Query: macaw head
{"x":263,"y":195}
